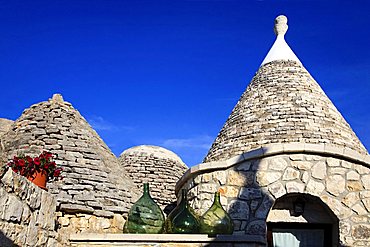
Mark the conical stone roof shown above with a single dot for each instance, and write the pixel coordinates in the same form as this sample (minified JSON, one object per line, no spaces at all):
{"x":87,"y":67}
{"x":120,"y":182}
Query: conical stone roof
{"x":159,"y":167}
{"x":282,"y":104}
{"x":94,"y":181}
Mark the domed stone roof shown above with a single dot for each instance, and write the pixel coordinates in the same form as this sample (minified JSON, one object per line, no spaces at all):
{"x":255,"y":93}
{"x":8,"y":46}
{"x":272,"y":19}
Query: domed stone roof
{"x":94,"y":181}
{"x":160,"y":167}
{"x":283,"y":103}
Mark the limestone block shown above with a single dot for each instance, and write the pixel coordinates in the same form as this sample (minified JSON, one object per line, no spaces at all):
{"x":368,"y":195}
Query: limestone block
{"x":335,"y":184}
{"x":266,"y":178}
{"x":352,"y":175}
{"x":277,"y":189}
{"x":291,"y":174}
{"x":319,"y":170}
{"x":240,"y":178}
{"x":344,"y":227}
{"x":315,"y":188}
{"x":229,"y":191}
{"x":302,"y":165}
{"x":359,"y":209}
{"x":354,"y":186}
{"x":207,"y":188}
{"x":63,"y":221}
{"x":14,"y":209}
{"x":366,"y":203}
{"x":245,"y":166}
{"x":278,"y":164}
{"x":264,"y":208}
{"x":250,"y":193}
{"x":256,"y":227}
{"x":365,"y":179}
{"x":350,"y":199}
{"x":337,"y":207}
{"x":292,"y":187}
{"x":305,"y":176}
{"x":361,"y":232}
{"x":332,"y":162}
{"x":296,"y":157}
{"x":118,"y":221}
{"x":238,"y":210}
{"x":362,"y":169}
{"x":364,"y":194}
{"x":338,"y":170}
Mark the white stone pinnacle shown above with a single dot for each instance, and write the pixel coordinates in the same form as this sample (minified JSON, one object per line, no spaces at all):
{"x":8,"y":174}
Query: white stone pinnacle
{"x":280,"y":50}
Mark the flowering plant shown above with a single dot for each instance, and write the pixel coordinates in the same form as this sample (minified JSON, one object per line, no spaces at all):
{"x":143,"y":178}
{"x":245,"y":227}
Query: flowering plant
{"x":27,"y":166}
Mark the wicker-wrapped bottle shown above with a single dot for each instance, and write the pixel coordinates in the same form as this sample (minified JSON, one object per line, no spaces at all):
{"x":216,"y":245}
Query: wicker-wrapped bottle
{"x":145,"y":216}
{"x":216,"y":220}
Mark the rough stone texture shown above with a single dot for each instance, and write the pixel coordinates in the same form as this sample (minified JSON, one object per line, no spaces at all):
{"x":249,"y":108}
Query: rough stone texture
{"x":282,"y":104}
{"x":27,"y":213}
{"x":5,"y":125}
{"x":258,"y":190}
{"x":93,"y":179}
{"x":159,"y":167}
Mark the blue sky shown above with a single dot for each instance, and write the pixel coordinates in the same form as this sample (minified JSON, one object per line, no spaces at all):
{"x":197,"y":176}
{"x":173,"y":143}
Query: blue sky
{"x":169,"y":73}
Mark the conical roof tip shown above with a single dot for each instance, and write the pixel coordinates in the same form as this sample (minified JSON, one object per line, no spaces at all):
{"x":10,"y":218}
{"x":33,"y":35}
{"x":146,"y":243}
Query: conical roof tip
{"x":280,"y":50}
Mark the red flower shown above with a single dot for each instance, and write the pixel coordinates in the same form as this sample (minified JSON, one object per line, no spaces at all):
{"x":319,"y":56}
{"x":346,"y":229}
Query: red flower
{"x":21,"y":163}
{"x":36,"y":161}
{"x":57,"y":172}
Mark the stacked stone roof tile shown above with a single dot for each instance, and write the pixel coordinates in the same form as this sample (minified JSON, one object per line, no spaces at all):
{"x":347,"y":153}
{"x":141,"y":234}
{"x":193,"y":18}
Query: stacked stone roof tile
{"x":283,"y":103}
{"x":159,"y":167}
{"x":94,"y":181}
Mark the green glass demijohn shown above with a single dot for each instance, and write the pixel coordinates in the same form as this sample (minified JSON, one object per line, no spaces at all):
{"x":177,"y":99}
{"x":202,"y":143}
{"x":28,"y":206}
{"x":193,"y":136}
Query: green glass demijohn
{"x":216,"y":220}
{"x":145,"y":216}
{"x":182,"y":219}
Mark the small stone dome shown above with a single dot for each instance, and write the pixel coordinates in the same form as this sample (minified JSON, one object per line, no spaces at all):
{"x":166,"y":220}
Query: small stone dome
{"x":94,"y":182}
{"x":160,"y":167}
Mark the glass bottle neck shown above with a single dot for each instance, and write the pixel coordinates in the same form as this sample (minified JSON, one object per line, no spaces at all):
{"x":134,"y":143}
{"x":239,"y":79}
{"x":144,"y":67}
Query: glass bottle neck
{"x":217,"y":198}
{"x":146,"y":188}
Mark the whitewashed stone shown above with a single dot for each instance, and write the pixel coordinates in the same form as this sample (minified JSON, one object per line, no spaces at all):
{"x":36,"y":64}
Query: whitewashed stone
{"x":291,"y":174}
{"x":319,"y":170}
{"x":364,"y":194}
{"x":337,"y":207}
{"x":292,"y":187}
{"x":296,"y":157}
{"x":337,"y":170}
{"x":335,"y":184}
{"x":362,"y":169}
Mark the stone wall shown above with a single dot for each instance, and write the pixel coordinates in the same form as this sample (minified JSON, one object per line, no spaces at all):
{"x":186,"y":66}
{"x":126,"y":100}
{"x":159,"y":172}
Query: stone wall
{"x":250,"y":188}
{"x":282,"y":104}
{"x":27,"y":213}
{"x":5,"y":125}
{"x":157,"y":166}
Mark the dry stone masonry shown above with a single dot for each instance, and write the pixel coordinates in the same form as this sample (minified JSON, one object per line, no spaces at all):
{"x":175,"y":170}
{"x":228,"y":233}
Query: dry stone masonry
{"x":159,"y":167}
{"x":283,"y":103}
{"x":250,"y":188}
{"x":27,"y":213}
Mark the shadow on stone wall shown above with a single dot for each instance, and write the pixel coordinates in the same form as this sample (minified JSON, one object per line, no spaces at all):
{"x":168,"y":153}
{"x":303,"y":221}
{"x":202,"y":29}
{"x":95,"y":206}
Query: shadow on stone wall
{"x":5,"y":241}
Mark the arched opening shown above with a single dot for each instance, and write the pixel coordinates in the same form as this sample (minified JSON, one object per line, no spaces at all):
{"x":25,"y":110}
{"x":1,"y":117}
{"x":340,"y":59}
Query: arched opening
{"x":301,"y":220}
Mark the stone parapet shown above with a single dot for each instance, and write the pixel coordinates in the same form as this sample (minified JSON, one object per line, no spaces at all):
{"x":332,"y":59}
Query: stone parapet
{"x":165,"y":240}
{"x":27,"y":213}
{"x":250,"y":184}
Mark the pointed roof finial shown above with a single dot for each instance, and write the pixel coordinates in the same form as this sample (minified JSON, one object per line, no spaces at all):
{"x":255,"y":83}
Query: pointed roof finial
{"x":280,"y":50}
{"x":281,"y":26}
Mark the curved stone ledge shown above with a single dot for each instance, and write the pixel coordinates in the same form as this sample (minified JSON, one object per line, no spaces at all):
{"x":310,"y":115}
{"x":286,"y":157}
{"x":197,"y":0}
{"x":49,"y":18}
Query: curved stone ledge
{"x":275,"y":149}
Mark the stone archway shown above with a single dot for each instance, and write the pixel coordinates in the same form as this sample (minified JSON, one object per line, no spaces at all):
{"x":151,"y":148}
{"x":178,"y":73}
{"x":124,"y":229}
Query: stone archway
{"x":302,"y":219}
